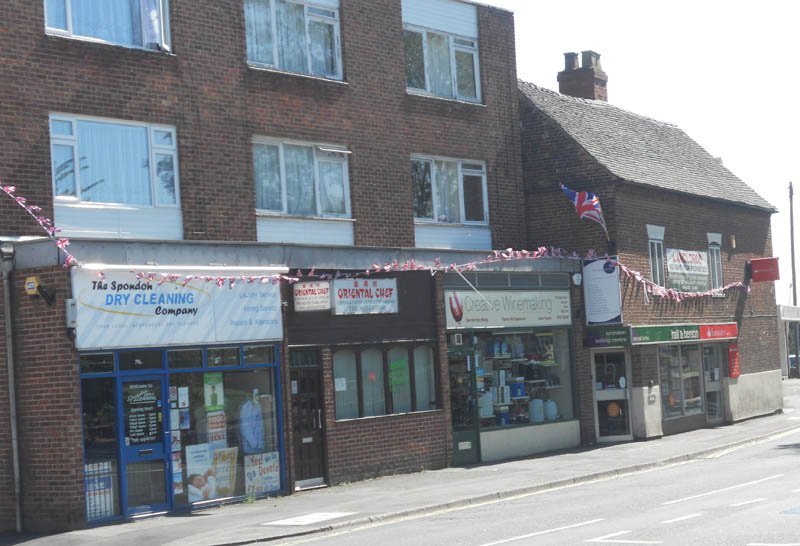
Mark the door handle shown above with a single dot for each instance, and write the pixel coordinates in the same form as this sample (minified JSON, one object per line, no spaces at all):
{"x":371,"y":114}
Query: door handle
{"x":319,"y":418}
{"x":145,"y":452}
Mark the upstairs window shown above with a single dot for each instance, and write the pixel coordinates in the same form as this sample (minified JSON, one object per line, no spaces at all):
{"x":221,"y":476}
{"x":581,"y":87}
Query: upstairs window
{"x":449,"y":191}
{"x":656,"y":236}
{"x":116,"y":162}
{"x":441,"y":64}
{"x":295,"y":36}
{"x":715,"y":259}
{"x":301,"y":179}
{"x":133,"y":23}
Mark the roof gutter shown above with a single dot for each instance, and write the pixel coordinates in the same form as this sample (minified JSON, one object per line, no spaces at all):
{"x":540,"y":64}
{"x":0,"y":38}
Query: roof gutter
{"x":7,"y":252}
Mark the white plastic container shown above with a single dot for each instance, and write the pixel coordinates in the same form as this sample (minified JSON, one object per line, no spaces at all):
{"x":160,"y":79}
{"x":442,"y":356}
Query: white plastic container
{"x":536,"y":410}
{"x":550,"y":410}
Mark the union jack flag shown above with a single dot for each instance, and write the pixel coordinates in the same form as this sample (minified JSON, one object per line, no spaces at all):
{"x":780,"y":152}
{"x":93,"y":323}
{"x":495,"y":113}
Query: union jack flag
{"x":587,"y":205}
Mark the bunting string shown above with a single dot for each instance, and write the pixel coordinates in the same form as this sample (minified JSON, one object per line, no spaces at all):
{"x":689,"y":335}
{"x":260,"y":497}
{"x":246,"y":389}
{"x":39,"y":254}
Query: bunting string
{"x":508,"y":255}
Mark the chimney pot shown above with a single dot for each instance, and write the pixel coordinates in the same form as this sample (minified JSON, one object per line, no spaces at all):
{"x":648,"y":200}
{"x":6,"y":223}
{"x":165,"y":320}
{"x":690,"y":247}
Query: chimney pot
{"x":590,"y":59}
{"x":570,"y":61}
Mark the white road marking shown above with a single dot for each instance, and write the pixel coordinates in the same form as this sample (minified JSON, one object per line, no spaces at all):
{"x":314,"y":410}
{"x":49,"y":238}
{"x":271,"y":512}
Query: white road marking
{"x":621,"y":541}
{"x":684,"y":499}
{"x":521,"y":537}
{"x":682,"y":518}
{"x":773,"y":544}
{"x":310,"y":519}
{"x":743,"y":503}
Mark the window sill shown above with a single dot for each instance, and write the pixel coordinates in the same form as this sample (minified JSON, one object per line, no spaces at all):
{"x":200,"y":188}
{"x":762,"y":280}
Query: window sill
{"x":373,"y":417}
{"x":268,"y":69}
{"x":424,"y":94}
{"x":106,"y":206}
{"x":89,"y":40}
{"x":432,"y":223}
{"x":264,"y":214}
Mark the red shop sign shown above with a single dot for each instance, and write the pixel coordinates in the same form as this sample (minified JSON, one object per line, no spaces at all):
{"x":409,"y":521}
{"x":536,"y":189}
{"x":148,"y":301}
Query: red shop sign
{"x":733,"y":361}
{"x":729,"y":330}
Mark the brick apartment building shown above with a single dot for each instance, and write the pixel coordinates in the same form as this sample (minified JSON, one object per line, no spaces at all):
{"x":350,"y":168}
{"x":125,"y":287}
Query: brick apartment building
{"x":653,"y":365}
{"x":185,"y":145}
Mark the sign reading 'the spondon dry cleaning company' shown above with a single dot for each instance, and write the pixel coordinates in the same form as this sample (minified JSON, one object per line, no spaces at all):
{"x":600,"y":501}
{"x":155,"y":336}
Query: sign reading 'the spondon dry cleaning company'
{"x":506,"y":308}
{"x":120,"y":310}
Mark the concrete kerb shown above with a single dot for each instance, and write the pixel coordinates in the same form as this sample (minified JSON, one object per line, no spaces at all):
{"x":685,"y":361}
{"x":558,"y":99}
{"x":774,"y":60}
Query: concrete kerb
{"x":519,"y":491}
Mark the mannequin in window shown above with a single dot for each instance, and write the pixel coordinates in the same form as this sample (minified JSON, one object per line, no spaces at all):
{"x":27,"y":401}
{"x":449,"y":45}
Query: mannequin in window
{"x":251,"y":426}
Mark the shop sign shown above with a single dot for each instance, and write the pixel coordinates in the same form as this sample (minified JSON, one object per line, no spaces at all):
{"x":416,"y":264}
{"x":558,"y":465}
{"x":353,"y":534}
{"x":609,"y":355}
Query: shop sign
{"x":607,"y":336}
{"x":734,"y":370}
{"x":262,"y":473}
{"x":142,"y":412}
{"x":120,"y":310}
{"x":765,"y":269}
{"x":719,"y":331}
{"x":687,"y":270}
{"x":364,"y":296}
{"x":312,"y":296}
{"x":601,"y":292}
{"x":506,"y":308}
{"x":664,"y":334}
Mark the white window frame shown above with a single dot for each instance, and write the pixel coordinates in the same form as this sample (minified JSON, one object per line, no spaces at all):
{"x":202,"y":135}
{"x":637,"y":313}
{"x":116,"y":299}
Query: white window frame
{"x":308,"y":17}
{"x":475,"y":50}
{"x":163,"y":6}
{"x":655,"y":235}
{"x":715,"y":261}
{"x":153,"y":150}
{"x":319,"y":149}
{"x":461,"y":173}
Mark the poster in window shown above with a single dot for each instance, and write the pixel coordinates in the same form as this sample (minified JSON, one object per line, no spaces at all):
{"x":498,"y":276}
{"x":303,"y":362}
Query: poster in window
{"x":262,"y":473}
{"x":224,"y":464}
{"x":143,"y":421}
{"x":213,"y":391}
{"x":216,"y":429}
{"x":687,"y":270}
{"x":601,"y":292}
{"x":177,"y":474}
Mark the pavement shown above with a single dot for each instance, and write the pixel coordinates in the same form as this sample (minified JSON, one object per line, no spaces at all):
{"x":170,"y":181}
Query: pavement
{"x":401,"y":496}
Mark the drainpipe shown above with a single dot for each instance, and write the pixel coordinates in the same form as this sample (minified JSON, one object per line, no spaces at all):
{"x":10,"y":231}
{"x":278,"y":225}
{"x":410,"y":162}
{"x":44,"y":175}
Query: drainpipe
{"x":7,"y":251}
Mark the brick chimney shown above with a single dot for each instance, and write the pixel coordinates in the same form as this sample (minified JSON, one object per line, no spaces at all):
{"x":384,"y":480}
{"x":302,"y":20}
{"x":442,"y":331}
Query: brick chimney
{"x":587,"y":82}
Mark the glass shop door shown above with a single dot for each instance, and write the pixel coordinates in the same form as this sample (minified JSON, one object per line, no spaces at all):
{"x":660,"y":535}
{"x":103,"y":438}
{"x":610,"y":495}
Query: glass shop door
{"x":712,"y":375}
{"x":464,"y":409}
{"x":611,"y":373}
{"x":143,"y":448}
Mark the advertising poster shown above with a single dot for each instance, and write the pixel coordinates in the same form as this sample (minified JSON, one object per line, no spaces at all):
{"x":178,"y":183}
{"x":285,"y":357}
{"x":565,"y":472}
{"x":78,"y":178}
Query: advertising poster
{"x":142,"y":412}
{"x":217,"y":430}
{"x":601,"y":292}
{"x":121,"y":310}
{"x":687,"y":270}
{"x":262,"y":473}
{"x":224,"y":464}
{"x":183,"y":397}
{"x":177,"y":474}
{"x":175,"y":440}
{"x":200,"y":480}
{"x":364,"y":297}
{"x":185,"y":419}
{"x":100,"y":478}
{"x":174,"y":419}
{"x":214,"y":397}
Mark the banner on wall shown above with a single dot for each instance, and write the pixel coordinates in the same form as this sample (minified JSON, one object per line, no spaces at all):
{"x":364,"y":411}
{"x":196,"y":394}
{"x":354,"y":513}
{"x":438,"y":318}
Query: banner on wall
{"x":687,"y":270}
{"x":506,"y":308}
{"x":601,"y":292}
{"x":122,"y":311}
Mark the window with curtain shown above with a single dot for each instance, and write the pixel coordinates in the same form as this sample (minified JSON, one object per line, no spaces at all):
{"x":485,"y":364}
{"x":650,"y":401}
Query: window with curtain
{"x":133,"y":23}
{"x":372,"y":381}
{"x":301,"y":179}
{"x":441,"y":64}
{"x":295,"y":36}
{"x":449,"y":191}
{"x":98,"y":161}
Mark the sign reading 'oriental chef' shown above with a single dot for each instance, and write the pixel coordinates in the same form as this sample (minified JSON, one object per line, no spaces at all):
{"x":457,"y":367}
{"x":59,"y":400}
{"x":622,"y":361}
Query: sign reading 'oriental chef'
{"x":312,"y":296}
{"x":364,"y":296}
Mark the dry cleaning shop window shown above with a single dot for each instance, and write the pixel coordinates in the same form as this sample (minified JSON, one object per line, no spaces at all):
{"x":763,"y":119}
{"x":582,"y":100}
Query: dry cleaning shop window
{"x":375,"y":381}
{"x":523,"y":377}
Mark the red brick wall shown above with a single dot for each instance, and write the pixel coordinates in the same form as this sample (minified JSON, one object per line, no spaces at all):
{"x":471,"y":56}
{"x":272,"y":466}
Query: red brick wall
{"x":48,"y":401}
{"x":217,"y":104}
{"x":7,"y":500}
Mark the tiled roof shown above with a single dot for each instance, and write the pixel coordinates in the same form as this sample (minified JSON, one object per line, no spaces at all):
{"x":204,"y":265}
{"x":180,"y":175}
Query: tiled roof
{"x":642,"y":150}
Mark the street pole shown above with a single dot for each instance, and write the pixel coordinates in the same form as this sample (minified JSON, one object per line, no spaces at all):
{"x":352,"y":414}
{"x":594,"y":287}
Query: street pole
{"x":794,"y":279}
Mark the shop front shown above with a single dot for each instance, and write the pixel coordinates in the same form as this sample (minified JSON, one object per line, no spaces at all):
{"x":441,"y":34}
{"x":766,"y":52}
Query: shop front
{"x":180,"y":389}
{"x":692,"y":361}
{"x":511,"y":368}
{"x":611,"y":377}
{"x":363,"y":357}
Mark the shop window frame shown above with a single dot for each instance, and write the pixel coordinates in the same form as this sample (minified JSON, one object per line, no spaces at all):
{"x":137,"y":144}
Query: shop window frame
{"x":387,"y":391}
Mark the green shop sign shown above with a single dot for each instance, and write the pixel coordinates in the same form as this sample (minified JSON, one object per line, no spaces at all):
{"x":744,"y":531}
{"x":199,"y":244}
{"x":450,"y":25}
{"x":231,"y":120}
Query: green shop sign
{"x":664,"y":334}
{"x":607,"y":336}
